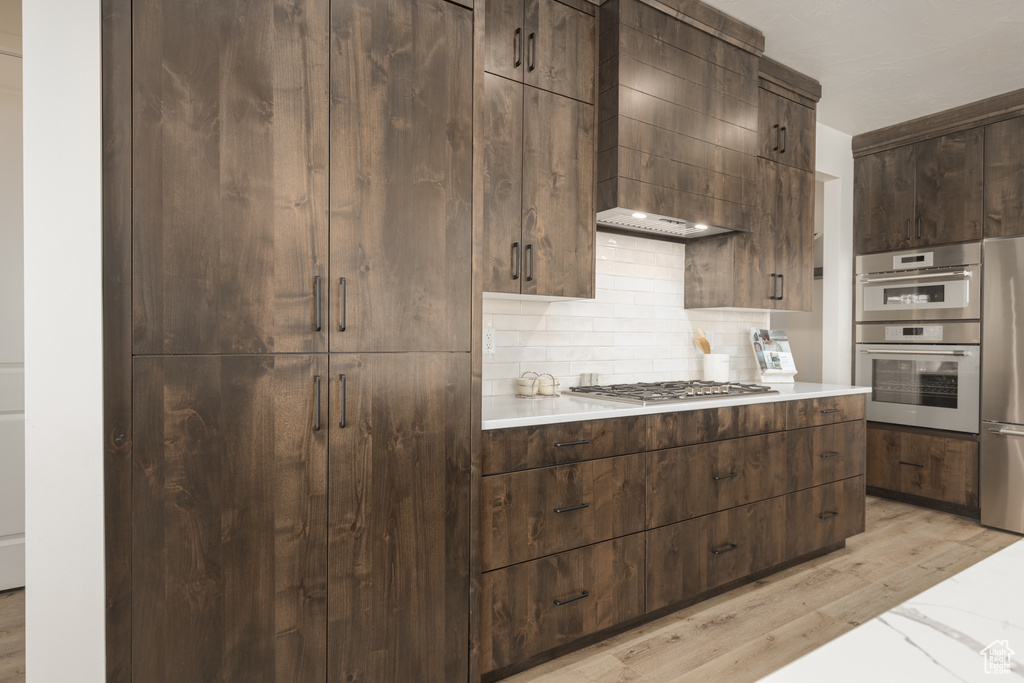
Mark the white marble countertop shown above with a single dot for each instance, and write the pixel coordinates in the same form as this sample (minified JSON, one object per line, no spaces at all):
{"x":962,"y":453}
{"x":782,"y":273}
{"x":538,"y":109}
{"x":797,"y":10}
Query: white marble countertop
{"x":935,"y":636}
{"x":500,"y":412}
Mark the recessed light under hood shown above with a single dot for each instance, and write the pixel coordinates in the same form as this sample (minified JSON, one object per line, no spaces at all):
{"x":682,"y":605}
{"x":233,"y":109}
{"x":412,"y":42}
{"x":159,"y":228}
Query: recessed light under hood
{"x":624,"y":219}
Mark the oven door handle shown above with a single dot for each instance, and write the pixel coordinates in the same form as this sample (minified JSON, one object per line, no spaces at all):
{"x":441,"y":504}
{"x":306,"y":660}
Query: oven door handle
{"x":1003,"y":431}
{"x":951,"y":352}
{"x":871,"y":280}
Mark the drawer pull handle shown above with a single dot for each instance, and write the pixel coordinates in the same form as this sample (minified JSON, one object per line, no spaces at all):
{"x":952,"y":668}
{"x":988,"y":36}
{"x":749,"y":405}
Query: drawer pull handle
{"x":720,"y":551}
{"x":574,"y":507}
{"x":830,"y":455}
{"x":725,"y":476}
{"x":581,"y":442}
{"x":912,"y":464}
{"x":582,"y":595}
{"x":828,"y":515}
{"x":830,"y":411}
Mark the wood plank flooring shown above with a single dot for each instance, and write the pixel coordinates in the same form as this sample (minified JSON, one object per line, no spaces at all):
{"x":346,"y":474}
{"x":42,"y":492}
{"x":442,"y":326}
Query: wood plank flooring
{"x":748,"y":632}
{"x":753,"y":630}
{"x":12,"y":636}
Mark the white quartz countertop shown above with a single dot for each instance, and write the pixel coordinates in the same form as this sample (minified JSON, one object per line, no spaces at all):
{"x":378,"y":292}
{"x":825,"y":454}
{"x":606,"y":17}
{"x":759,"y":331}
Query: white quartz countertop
{"x":500,"y":412}
{"x":936,"y":636}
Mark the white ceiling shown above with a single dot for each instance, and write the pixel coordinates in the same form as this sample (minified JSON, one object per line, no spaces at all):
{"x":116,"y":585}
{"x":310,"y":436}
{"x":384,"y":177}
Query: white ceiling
{"x":881,"y":62}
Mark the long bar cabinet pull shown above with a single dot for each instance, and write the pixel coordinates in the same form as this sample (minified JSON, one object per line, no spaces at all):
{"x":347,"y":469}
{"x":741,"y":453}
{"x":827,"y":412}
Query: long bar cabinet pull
{"x":581,"y":442}
{"x":344,"y":305}
{"x":776,"y":129}
{"x":726,"y":549}
{"x":783,"y":150}
{"x":829,"y":411}
{"x":782,"y":287}
{"x":584,"y":594}
{"x":344,"y":391}
{"x":574,"y":507}
{"x":719,"y":477}
{"x":772,"y":296}
{"x":531,"y":52}
{"x":529,"y":263}
{"x":517,"y":47}
{"x":918,"y":227}
{"x":316,"y":408}
{"x":908,"y":228}
{"x":828,"y":515}
{"x":515,"y":260}
{"x":319,"y":304}
{"x":912,"y":464}
{"x":830,"y":455}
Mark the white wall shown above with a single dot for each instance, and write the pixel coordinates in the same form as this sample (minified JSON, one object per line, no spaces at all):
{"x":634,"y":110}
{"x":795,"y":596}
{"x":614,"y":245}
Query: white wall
{"x":834,"y":165}
{"x":12,"y":328}
{"x":636,"y":330}
{"x":63,"y":342}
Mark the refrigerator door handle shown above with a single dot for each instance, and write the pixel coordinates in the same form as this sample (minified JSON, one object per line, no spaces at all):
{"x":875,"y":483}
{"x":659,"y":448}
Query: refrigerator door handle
{"x":1003,"y":431}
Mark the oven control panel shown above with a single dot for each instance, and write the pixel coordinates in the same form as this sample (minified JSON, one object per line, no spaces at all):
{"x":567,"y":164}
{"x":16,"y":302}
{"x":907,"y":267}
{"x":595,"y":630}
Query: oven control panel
{"x":918,"y":333}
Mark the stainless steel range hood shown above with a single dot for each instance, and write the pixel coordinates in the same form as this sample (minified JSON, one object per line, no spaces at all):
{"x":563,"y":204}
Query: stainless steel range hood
{"x":677,"y":111}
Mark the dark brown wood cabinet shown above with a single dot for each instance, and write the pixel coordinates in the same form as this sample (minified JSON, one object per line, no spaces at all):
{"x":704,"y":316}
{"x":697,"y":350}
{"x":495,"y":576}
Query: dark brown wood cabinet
{"x":1004,"y":178}
{"x":824,"y":515}
{"x":229,"y":177}
{"x":401,"y":176}
{"x":924,"y":468}
{"x":229,"y":518}
{"x":920,"y":195}
{"x":398,"y":591}
{"x":786,"y":130}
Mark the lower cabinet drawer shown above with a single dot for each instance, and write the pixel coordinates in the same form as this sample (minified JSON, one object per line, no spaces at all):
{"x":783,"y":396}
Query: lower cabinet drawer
{"x":934,"y":467}
{"x":539,"y":512}
{"x":819,"y":455}
{"x":823,"y":411}
{"x":819,"y":517}
{"x":535,"y":606}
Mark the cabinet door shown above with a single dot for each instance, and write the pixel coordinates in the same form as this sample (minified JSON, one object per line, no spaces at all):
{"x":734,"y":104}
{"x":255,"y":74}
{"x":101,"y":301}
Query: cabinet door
{"x":950,"y":188}
{"x":769,"y":111}
{"x":1004,"y":178}
{"x":399,"y":517}
{"x":798,"y":135}
{"x":229,"y":519}
{"x":883,"y":201}
{"x":229,"y":177}
{"x":794,"y":246}
{"x":755,"y":251}
{"x":503,"y":184}
{"x":401,"y":175}
{"x":559,"y":49}
{"x":504,"y":40}
{"x":559,"y":215}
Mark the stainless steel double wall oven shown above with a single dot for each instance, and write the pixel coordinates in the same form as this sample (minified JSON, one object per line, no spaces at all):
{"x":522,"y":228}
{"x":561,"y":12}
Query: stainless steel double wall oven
{"x":918,"y":336}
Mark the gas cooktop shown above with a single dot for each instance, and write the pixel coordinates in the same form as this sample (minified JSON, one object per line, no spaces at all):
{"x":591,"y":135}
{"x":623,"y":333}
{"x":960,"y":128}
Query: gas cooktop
{"x":647,"y":393}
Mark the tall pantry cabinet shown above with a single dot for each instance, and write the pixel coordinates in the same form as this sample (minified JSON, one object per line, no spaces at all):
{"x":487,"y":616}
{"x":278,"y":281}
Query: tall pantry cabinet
{"x":301,"y":234}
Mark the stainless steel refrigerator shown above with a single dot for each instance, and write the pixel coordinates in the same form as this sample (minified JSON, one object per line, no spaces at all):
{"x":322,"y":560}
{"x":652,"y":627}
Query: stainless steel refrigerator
{"x":1002,"y":401}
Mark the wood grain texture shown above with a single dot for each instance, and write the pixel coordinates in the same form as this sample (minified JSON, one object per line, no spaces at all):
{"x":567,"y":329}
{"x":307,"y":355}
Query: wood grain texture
{"x":823,"y":411}
{"x":883,"y":200}
{"x":1004,"y":178}
{"x":794,"y":235}
{"x":507,"y":450}
{"x":824,"y":515}
{"x":520,"y":617}
{"x":559,"y":224}
{"x":949,"y":188}
{"x":12,"y":636}
{"x":973,"y":115}
{"x":229,"y":519}
{"x":401,"y":175}
{"x":713,"y":22}
{"x":399,"y":517}
{"x":780,"y":74}
{"x":504,"y":43}
{"x":116,"y":36}
{"x":229,"y":175}
{"x":529,"y":514}
{"x":819,"y":455}
{"x":714,"y":275}
{"x":671,"y":430}
{"x":502,"y":199}
{"x":560,"y":45}
{"x":681,"y":482}
{"x":932,"y":467}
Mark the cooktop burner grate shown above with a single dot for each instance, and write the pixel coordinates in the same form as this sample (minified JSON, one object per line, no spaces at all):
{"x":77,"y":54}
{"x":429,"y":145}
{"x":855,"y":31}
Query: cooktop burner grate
{"x":645,"y":393}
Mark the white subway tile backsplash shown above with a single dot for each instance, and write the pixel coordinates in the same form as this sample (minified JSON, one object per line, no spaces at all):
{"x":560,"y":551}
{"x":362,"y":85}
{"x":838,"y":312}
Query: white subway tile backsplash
{"x":635,"y":330}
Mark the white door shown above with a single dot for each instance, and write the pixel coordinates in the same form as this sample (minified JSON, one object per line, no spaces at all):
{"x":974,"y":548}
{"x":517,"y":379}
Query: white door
{"x":12,"y":331}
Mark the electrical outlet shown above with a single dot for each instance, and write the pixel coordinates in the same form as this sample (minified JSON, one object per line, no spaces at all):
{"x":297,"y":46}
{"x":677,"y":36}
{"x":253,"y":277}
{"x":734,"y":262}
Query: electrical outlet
{"x":489,"y":341}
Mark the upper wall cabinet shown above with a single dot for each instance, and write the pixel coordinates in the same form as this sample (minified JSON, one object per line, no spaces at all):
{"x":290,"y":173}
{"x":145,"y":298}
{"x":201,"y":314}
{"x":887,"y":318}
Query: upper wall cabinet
{"x":1004,"y":178}
{"x":229,"y":177}
{"x":543,"y":43}
{"x":786,"y":130}
{"x":920,"y":195}
{"x":401,"y":176}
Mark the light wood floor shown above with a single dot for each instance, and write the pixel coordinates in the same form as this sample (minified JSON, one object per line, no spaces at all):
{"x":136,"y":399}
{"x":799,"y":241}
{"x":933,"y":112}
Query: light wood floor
{"x":753,"y":630}
{"x":748,"y":632}
{"x":12,"y":636}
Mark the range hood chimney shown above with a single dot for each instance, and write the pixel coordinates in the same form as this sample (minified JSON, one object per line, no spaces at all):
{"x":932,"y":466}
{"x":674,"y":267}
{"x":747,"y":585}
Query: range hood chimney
{"x":677,"y":107}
